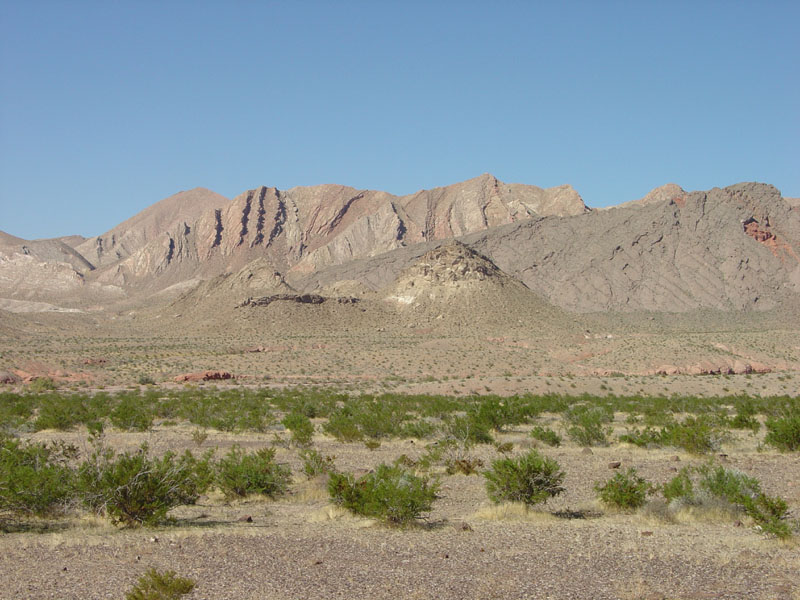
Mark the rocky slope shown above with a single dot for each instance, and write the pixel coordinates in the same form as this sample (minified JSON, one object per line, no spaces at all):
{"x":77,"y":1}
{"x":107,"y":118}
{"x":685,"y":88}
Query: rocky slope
{"x":731,"y":248}
{"x":65,"y":269}
{"x":149,"y":225}
{"x":41,"y":269}
{"x":306,"y":228}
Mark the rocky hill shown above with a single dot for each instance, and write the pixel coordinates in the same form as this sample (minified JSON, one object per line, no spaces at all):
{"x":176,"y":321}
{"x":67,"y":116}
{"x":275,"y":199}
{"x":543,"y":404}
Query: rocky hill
{"x":732,"y":248}
{"x":307,"y":228}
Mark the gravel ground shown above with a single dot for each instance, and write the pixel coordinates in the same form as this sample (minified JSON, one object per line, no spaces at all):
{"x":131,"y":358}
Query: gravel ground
{"x":300,"y":547}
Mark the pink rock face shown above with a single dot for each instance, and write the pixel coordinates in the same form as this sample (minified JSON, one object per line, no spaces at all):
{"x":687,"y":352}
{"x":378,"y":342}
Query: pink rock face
{"x":742,"y":368}
{"x":306,"y":228}
{"x":204,"y":376}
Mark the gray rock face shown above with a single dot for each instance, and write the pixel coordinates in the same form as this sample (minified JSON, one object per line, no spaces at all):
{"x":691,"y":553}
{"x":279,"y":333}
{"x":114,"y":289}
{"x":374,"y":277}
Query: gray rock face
{"x":676,"y":255}
{"x":732,"y":248}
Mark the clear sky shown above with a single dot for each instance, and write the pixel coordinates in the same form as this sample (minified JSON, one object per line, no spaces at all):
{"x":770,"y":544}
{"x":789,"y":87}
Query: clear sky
{"x":107,"y":107}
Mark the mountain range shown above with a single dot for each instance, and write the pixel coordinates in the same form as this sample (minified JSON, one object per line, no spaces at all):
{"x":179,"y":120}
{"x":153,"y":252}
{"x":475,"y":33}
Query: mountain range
{"x":732,"y":248}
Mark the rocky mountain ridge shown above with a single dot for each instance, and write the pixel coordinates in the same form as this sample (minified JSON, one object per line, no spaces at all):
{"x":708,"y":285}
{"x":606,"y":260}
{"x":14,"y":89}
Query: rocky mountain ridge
{"x":735,"y":248}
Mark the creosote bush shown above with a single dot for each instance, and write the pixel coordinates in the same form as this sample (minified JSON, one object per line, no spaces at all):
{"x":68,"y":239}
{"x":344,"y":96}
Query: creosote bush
{"x":315,"y":464}
{"x":390,"y":493}
{"x":301,"y":427}
{"x":240,"y":474}
{"x":784,"y":433}
{"x":588,"y":425}
{"x":530,"y":479}
{"x":160,"y":585}
{"x":134,"y":488}
{"x":546,"y":435}
{"x":35,"y":478}
{"x":697,"y":435}
{"x":696,"y":486}
{"x":627,"y":490}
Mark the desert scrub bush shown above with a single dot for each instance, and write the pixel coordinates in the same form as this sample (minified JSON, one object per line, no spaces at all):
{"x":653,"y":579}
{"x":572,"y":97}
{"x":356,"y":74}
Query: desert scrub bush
{"x":160,"y":585}
{"x":495,"y":413}
{"x":745,"y":417}
{"x":15,"y":410}
{"x":145,"y":380}
{"x":696,"y":486}
{"x":696,"y":435}
{"x":367,"y":416}
{"x":315,"y":464}
{"x":62,"y":412}
{"x":42,"y":384}
{"x":419,"y":429}
{"x":134,"y":488}
{"x":784,"y":433}
{"x":468,"y":431}
{"x":546,"y":435}
{"x":36,"y":478}
{"x":301,"y":427}
{"x":588,"y":425}
{"x":627,"y":490}
{"x":530,"y":479}
{"x":466,"y":465}
{"x":343,"y":427}
{"x":240,"y":474}
{"x":132,"y":413}
{"x":644,"y":438}
{"x":390,"y":493}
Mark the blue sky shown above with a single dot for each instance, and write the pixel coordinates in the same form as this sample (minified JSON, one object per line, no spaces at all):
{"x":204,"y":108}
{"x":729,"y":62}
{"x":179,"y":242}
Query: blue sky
{"x":107,"y":107}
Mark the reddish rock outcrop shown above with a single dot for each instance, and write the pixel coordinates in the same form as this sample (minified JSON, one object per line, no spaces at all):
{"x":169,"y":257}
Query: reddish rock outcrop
{"x":204,"y":376}
{"x":94,"y":361}
{"x":8,"y":378}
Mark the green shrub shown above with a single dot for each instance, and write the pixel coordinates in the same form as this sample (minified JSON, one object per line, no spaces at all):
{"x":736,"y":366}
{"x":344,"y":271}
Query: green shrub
{"x":134,"y":489}
{"x":784,"y":433}
{"x":36,"y":478}
{"x":680,"y":487}
{"x":14,"y":411}
{"x":495,"y":413}
{"x":745,"y":418}
{"x":343,"y":427}
{"x":469,"y":431}
{"x":696,"y":435}
{"x":366,"y":417}
{"x":626,"y":490}
{"x":315,"y":464}
{"x":588,"y":424}
{"x":389,"y":493}
{"x":417,"y":429}
{"x":240,"y":474}
{"x":546,"y":435}
{"x":42,"y":384}
{"x":644,"y":438}
{"x":132,"y":413}
{"x":156,"y":585}
{"x":695,"y":485}
{"x":146,"y":380}
{"x":301,"y":427}
{"x":530,"y":478}
{"x":61,"y":412}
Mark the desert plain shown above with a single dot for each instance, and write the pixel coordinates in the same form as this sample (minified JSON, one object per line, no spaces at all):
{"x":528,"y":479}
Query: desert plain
{"x":481,"y":292}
